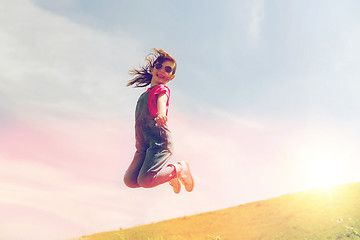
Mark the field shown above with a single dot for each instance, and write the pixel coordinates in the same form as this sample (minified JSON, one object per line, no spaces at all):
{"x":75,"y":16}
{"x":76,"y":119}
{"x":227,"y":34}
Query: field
{"x":320,"y":214}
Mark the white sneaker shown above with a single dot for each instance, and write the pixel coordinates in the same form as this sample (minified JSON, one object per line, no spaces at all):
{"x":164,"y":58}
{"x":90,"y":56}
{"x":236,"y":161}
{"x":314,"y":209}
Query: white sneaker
{"x":185,"y":176}
{"x":175,"y":184}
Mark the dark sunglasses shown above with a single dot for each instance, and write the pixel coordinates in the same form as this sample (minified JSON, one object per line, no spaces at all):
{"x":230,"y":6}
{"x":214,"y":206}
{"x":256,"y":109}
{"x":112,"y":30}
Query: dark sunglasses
{"x":167,"y":68}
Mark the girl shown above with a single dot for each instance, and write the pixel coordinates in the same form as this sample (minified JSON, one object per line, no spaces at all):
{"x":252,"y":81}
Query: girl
{"x":150,"y":166}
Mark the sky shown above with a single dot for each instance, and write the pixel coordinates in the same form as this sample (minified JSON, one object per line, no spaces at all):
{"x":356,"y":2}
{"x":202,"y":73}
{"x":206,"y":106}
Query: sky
{"x":264,"y":103}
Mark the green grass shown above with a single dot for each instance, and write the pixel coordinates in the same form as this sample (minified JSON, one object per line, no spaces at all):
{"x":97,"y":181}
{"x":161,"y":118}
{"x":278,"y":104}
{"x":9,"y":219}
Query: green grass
{"x":320,"y":214}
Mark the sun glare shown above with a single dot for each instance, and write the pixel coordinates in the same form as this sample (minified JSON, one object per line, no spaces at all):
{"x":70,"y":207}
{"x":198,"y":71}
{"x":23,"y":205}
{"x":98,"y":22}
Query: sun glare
{"x":322,"y":163}
{"x":324,"y":173}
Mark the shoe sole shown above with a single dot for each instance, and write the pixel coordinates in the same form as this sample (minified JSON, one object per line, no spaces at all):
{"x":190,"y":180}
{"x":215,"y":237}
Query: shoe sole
{"x":192,"y":179}
{"x":177,"y":183}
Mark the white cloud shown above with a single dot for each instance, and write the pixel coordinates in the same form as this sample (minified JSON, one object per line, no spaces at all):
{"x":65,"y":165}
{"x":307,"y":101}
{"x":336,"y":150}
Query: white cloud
{"x":49,"y":63}
{"x":56,"y":4}
{"x":60,"y":201}
{"x":257,"y":15}
{"x":243,"y":24}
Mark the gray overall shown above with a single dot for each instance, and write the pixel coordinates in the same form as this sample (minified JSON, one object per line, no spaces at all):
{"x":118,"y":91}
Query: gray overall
{"x":149,"y":167}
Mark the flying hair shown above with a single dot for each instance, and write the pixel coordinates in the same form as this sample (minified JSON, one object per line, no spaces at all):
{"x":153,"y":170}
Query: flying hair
{"x":142,"y":75}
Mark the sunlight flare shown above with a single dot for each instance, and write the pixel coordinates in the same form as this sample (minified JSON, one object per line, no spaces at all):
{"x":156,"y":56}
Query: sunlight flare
{"x":323,"y":161}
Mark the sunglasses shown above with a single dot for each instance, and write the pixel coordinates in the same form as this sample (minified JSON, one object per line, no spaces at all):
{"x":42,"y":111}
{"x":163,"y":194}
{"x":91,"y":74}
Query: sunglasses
{"x":167,"y":68}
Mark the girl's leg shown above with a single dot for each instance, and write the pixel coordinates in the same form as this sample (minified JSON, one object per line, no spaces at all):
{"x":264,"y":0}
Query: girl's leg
{"x":155,"y":169}
{"x":132,"y":173}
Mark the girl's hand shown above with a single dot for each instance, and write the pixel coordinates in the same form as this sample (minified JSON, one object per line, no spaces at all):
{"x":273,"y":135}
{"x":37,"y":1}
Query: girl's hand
{"x":161,"y":120}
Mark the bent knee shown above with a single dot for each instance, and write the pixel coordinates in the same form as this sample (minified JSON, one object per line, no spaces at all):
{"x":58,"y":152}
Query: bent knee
{"x":131,"y":183}
{"x":146,"y":181}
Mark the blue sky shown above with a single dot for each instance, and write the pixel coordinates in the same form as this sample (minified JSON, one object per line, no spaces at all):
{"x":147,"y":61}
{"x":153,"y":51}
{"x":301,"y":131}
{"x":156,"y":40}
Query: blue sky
{"x":264,"y":103}
{"x":287,"y":57}
{"x":237,"y":43}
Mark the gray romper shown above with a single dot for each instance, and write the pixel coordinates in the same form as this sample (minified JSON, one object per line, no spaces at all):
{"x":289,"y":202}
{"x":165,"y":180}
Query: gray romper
{"x":149,"y":167}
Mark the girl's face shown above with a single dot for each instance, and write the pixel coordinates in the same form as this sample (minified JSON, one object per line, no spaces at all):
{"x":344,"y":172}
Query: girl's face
{"x":162,"y":73}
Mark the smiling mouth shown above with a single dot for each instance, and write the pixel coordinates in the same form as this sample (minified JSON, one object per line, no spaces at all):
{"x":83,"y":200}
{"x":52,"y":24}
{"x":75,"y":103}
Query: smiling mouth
{"x":160,"y":75}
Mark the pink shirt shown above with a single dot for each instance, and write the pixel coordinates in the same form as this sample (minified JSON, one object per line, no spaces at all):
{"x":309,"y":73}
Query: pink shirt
{"x":153,"y":96}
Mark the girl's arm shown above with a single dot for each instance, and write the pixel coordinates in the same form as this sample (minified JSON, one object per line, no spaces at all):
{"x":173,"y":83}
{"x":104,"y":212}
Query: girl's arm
{"x":161,"y":119}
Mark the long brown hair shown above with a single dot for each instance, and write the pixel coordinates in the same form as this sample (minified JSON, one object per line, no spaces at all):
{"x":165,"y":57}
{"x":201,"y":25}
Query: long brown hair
{"x":142,"y":75}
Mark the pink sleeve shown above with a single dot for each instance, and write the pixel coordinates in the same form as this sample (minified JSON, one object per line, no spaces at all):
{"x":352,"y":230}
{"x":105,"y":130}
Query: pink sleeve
{"x":153,"y":96}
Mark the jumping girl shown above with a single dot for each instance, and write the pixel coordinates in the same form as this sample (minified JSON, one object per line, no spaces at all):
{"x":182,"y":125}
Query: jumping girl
{"x":150,"y":166}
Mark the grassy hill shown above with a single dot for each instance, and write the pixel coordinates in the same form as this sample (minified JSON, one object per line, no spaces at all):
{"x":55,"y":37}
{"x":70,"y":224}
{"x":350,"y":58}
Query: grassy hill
{"x":319,"y":214}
